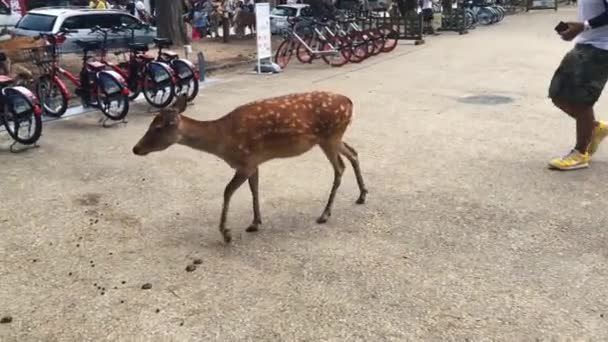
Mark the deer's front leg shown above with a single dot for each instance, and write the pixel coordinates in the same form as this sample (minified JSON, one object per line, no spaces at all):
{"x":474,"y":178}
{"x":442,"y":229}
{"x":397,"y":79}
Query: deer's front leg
{"x":239,"y":178}
{"x":257,"y":218}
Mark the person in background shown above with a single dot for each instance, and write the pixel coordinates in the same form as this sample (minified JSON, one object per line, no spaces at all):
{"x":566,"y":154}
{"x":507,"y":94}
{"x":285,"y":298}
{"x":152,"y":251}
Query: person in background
{"x":97,"y":4}
{"x":200,"y":21}
{"x":579,"y":81}
{"x":140,"y":12}
{"x":427,"y":16}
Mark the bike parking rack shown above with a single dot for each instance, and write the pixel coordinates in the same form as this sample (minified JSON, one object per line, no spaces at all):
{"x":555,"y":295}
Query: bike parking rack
{"x":408,"y":27}
{"x":453,"y":19}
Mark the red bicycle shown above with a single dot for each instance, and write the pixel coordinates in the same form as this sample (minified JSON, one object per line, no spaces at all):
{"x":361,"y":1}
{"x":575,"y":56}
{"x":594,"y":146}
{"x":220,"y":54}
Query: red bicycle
{"x":98,"y":88}
{"x":187,"y":75}
{"x":156,"y":79}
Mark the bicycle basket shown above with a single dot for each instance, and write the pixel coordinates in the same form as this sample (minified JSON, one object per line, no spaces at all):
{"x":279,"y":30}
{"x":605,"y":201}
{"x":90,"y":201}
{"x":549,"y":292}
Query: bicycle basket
{"x":42,"y":56}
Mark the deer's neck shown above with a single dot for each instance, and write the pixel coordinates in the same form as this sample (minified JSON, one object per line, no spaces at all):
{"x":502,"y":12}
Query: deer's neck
{"x":201,"y":135}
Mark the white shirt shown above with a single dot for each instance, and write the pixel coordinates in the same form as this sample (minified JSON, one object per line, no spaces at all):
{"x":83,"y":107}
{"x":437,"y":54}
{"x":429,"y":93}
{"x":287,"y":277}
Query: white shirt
{"x":598,"y":37}
{"x":427,"y":4}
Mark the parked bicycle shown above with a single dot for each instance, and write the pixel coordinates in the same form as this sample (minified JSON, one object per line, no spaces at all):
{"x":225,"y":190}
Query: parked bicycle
{"x":336,"y":42}
{"x":20,"y":112}
{"x":187,"y":74}
{"x":103,"y":89}
{"x":156,"y":79}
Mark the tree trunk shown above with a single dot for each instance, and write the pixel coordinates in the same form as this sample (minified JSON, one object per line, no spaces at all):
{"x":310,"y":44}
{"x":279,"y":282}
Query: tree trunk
{"x":169,"y":21}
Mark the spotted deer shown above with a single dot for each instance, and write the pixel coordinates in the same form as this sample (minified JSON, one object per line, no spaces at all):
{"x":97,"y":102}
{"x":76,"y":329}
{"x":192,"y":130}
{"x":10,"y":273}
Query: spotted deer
{"x":279,"y":127}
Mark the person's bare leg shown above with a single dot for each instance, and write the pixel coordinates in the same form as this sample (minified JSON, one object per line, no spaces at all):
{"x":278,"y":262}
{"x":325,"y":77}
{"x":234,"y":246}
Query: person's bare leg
{"x":585,"y":122}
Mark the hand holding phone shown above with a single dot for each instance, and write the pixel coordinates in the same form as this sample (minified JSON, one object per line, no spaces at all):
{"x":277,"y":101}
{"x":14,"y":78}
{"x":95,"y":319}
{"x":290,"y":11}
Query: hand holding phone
{"x":561,"y":27}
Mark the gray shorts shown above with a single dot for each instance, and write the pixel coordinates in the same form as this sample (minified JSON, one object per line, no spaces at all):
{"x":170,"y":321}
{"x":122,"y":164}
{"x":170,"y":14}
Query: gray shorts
{"x":581,"y":76}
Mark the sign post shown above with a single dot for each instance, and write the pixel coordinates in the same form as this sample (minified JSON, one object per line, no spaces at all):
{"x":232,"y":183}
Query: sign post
{"x":262,"y":25}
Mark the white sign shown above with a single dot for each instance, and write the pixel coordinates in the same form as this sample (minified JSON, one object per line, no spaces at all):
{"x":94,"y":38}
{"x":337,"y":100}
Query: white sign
{"x":262,"y":27}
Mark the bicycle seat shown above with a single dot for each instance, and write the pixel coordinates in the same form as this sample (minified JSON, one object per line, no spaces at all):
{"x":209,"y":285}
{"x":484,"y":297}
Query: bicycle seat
{"x":139,"y":47}
{"x":145,"y":57}
{"x":170,"y":54}
{"x":88,"y":46}
{"x":96,"y":65}
{"x":5,"y":80}
{"x":163,"y":42}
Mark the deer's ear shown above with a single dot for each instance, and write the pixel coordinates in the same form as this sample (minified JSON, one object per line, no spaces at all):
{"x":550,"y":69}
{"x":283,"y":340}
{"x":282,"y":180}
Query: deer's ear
{"x":180,"y":103}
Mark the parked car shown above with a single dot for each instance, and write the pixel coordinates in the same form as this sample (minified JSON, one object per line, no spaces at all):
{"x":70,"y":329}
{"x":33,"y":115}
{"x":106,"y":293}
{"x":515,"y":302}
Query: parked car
{"x":279,"y":15}
{"x":83,"y":19}
{"x":8,"y":17}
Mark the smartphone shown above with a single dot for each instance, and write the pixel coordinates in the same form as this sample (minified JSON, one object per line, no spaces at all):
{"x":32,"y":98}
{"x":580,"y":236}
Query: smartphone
{"x":561,"y":27}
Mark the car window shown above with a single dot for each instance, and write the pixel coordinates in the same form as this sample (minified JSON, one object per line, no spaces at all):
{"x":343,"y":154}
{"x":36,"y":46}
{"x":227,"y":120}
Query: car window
{"x":77,"y":22}
{"x":37,"y":22}
{"x":105,"y":20}
{"x":306,"y":12}
{"x":4,"y":9}
{"x":128,"y":20}
{"x":284,"y":11}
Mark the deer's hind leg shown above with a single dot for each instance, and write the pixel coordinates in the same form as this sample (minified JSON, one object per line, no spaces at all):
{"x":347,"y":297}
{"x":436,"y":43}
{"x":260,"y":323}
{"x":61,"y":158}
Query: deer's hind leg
{"x":353,"y":157}
{"x":332,"y":151}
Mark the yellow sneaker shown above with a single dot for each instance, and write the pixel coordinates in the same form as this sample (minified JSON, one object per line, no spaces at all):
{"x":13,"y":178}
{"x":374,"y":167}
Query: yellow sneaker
{"x":573,"y":161}
{"x":599,"y":133}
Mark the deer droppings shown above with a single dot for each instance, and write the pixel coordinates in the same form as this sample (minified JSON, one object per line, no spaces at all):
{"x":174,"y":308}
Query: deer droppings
{"x":279,"y":127}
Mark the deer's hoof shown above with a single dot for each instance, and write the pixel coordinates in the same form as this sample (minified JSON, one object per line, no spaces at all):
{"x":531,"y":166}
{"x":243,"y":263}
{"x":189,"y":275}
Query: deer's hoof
{"x":323,"y":219}
{"x":361,"y":199}
{"x":227,"y":236}
{"x":252,"y":228}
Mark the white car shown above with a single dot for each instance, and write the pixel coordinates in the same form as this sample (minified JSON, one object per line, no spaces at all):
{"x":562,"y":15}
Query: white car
{"x":279,"y":15}
{"x":82,"y":20}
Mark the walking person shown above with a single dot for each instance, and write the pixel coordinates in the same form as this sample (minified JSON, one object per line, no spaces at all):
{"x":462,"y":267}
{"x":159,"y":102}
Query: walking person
{"x":200,"y":21}
{"x":427,"y":16}
{"x":579,"y":80}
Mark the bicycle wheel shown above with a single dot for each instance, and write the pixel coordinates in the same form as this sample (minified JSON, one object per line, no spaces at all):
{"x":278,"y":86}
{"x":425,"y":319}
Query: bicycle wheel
{"x":53,"y":100}
{"x":160,"y":95}
{"x":302,"y":53}
{"x":341,"y":55}
{"x":390,"y":38}
{"x":358,"y":51}
{"x":361,"y":45}
{"x":115,"y":107}
{"x":283,"y":54}
{"x":188,"y":87}
{"x":377,"y":41}
{"x":22,"y":121}
{"x":484,"y":16}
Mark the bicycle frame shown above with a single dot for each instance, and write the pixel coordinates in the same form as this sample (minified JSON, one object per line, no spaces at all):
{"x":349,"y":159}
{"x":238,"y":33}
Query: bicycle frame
{"x":317,"y":37}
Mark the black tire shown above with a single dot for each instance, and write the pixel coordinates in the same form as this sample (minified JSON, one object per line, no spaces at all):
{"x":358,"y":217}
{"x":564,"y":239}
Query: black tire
{"x":52,"y":100}
{"x":391,"y":38}
{"x":151,"y":93}
{"x":191,"y":86}
{"x":284,"y":53}
{"x":121,"y":109}
{"x":12,"y":122}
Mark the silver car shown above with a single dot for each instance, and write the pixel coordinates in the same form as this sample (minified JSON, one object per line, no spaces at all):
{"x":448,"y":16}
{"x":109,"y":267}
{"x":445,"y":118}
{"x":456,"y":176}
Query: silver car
{"x":279,"y":15}
{"x":53,"y":19}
